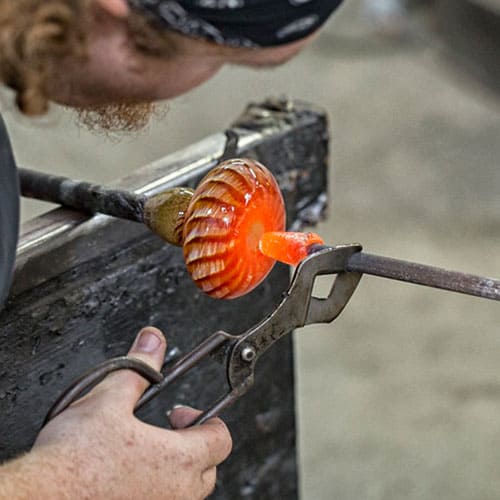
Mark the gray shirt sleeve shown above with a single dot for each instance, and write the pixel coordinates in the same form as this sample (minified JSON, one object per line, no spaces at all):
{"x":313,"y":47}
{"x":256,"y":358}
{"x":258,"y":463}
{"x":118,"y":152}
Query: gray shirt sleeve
{"x":9,"y":212}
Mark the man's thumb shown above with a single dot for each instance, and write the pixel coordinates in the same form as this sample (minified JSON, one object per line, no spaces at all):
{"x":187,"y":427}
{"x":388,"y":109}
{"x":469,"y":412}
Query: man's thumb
{"x":125,"y":387}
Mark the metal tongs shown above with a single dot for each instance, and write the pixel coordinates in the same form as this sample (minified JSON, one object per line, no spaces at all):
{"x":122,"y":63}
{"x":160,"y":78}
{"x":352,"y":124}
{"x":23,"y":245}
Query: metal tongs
{"x":241,"y":352}
{"x":347,"y":263}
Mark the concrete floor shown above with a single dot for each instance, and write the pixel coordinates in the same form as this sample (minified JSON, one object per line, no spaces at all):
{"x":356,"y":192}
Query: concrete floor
{"x":400,"y":398}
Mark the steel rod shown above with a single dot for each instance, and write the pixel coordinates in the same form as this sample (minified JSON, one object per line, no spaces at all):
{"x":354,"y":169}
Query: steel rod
{"x":81,"y":195}
{"x":420,"y":274}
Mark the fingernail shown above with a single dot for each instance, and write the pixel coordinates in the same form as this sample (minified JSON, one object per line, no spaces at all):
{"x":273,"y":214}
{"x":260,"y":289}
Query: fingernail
{"x":175,"y":407}
{"x":148,"y":341}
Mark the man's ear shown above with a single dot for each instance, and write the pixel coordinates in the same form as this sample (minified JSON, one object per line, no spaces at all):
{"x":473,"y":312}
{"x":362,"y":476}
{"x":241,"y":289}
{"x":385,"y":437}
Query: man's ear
{"x":117,"y":8}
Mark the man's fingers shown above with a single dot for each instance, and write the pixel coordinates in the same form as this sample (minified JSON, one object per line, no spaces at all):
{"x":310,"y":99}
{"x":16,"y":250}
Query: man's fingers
{"x":182,"y":416}
{"x":212,"y":440}
{"x":125,"y":387}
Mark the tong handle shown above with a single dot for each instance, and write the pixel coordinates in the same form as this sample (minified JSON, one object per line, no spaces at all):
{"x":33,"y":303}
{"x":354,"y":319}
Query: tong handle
{"x":186,"y":363}
{"x":189,"y":361}
{"x":159,"y":381}
{"x":221,"y":404}
{"x":91,"y":378}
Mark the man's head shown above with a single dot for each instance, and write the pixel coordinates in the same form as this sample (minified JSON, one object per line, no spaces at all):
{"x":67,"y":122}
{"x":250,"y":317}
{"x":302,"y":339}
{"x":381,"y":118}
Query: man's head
{"x":91,"y":54}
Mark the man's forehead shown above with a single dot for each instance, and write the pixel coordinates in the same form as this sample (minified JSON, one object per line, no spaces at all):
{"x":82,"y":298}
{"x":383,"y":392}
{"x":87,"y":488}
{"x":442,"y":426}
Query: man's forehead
{"x":240,"y":23}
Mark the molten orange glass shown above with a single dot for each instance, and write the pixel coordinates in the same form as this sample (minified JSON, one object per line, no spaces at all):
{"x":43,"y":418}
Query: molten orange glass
{"x":231,"y":209}
{"x":288,"y":247}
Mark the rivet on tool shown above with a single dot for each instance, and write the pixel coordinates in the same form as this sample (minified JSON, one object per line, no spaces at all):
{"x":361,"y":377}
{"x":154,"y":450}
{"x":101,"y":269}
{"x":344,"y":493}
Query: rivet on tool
{"x":248,"y":354}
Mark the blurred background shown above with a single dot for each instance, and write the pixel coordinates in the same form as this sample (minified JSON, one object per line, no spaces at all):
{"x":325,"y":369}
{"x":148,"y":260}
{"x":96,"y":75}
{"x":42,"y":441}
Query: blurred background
{"x":400,"y":398}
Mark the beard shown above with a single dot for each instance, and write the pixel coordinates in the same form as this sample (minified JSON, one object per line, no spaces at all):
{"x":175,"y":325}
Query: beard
{"x":119,"y":118}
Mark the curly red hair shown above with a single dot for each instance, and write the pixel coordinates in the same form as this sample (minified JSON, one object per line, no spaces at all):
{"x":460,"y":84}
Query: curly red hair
{"x":35,"y":35}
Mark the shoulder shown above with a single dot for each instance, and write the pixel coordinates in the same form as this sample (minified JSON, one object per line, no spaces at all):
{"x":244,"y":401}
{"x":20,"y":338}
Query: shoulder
{"x":9,"y":212}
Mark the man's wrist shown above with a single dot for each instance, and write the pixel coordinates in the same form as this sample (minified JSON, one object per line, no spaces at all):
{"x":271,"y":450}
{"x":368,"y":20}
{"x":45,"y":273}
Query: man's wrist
{"x":38,"y":474}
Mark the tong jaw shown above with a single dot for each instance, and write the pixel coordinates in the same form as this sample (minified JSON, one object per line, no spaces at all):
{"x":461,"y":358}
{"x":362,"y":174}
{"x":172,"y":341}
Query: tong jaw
{"x":298,"y":308}
{"x":331,"y":260}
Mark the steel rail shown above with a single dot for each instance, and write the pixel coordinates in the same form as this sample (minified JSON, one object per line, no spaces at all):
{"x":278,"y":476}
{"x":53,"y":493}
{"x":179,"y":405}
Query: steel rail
{"x":94,"y":198}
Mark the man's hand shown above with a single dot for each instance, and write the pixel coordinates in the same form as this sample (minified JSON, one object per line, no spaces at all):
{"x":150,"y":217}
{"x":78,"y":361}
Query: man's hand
{"x":98,"y":449}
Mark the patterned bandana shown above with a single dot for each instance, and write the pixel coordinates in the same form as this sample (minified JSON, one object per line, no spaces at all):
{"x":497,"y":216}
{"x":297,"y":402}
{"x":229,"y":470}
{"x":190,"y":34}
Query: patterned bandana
{"x":240,"y":23}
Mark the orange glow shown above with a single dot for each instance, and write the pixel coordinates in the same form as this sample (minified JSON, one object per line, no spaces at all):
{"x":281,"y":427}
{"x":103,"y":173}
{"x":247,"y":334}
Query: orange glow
{"x":232,"y":208}
{"x":288,"y":247}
